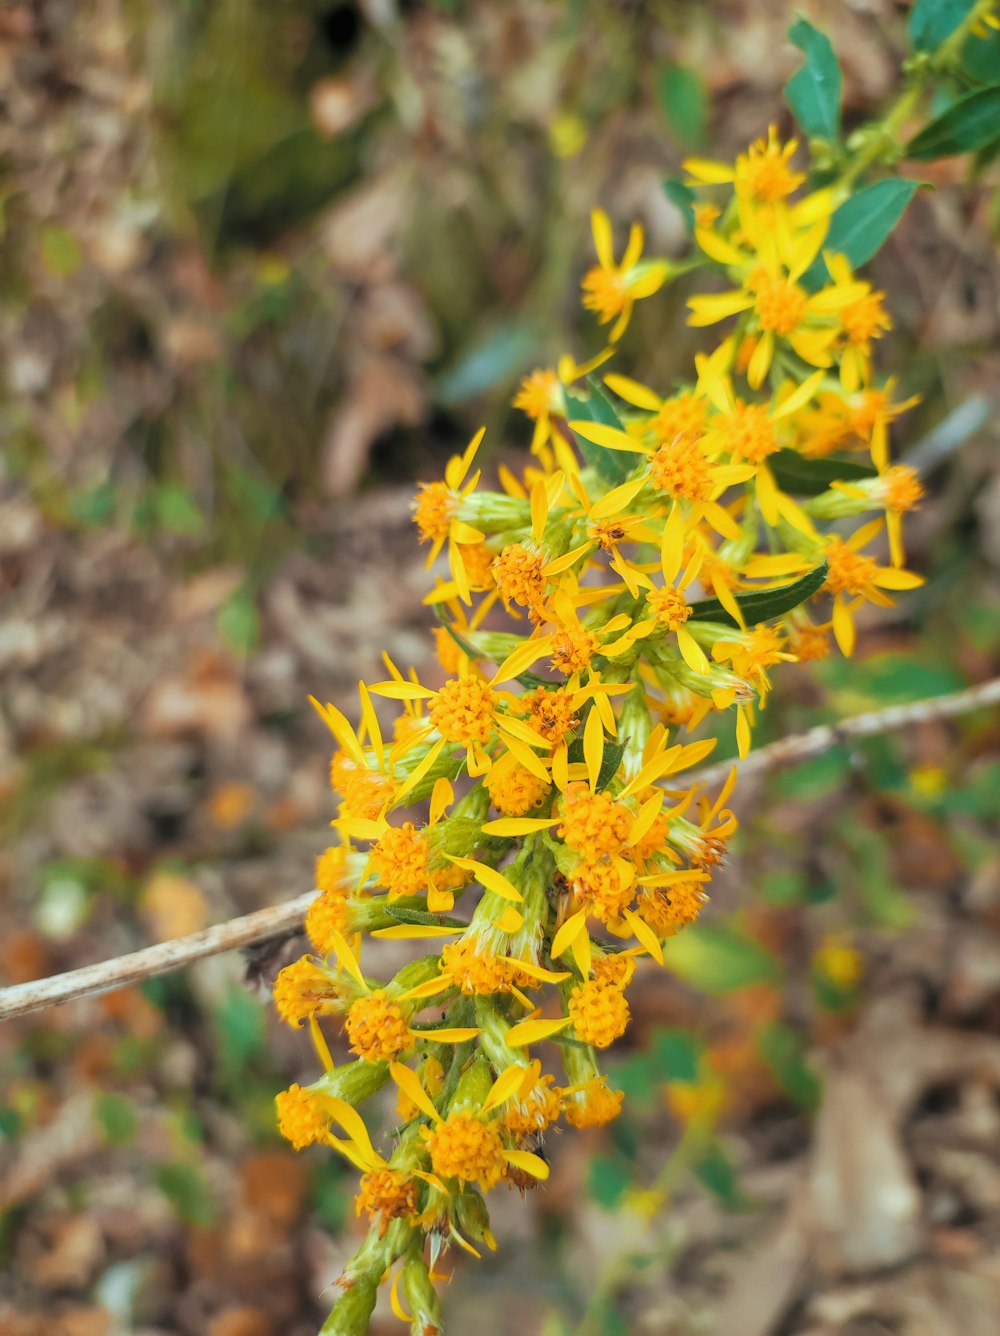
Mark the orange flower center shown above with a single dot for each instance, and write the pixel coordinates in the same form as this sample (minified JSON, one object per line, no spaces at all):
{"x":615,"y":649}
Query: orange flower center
{"x":462,"y":711}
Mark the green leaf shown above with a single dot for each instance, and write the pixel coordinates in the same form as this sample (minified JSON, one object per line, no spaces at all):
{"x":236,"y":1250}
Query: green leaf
{"x":763,"y":604}
{"x":813,"y":92}
{"x":60,"y":251}
{"x":819,"y":777}
{"x":116,"y":1117}
{"x":613,"y":466}
{"x":405,"y":915}
{"x":238,"y":621}
{"x":682,"y":95}
{"x":715,"y":1172}
{"x":240,"y":1025}
{"x":718,"y":959}
{"x":811,"y":477}
{"x":682,"y":197}
{"x":981,"y":57}
{"x":608,"y":1180}
{"x":783,"y":1050}
{"x":676,"y":1056}
{"x":971,"y":123}
{"x":176,"y":510}
{"x":95,"y":506}
{"x":187,"y":1193}
{"x":482,"y":367}
{"x":613,"y":752}
{"x":931,"y":21}
{"x":860,"y":226}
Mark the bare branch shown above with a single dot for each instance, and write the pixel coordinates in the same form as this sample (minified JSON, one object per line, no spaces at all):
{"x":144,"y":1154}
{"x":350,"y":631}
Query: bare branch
{"x":275,"y":921}
{"x":23,"y":998}
{"x":801,"y":746}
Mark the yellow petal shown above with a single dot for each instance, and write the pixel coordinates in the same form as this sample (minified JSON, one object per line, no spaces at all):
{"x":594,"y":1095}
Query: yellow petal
{"x":506,"y":1084}
{"x":632,"y":392}
{"x":489,"y":877}
{"x":568,"y":933}
{"x":645,"y":935}
{"x":456,"y":1035}
{"x":618,"y":499}
{"x":531,"y":1031}
{"x":522,"y":658}
{"x":409,"y":1083}
{"x":404,"y":931}
{"x":527,"y":1162}
{"x":593,"y":746}
{"x":610,"y":437}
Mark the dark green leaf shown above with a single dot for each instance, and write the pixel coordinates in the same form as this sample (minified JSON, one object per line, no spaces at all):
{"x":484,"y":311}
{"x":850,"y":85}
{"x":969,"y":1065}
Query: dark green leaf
{"x":860,"y":226}
{"x":176,"y":510}
{"x":94,"y":507}
{"x":613,"y":466}
{"x":676,"y":1056}
{"x":502,"y":354}
{"x":816,"y":778}
{"x":607,"y":1181}
{"x":682,"y":95}
{"x":683,"y":197}
{"x":613,"y":752}
{"x":240,"y":1023}
{"x":116,"y":1117}
{"x":185,"y":1189}
{"x":971,"y":123}
{"x":764,"y":604}
{"x":981,"y":57}
{"x":719,"y":959}
{"x":715,"y":1172}
{"x":813,"y":92}
{"x":931,"y":21}
{"x":784,"y":1052}
{"x":811,"y":477}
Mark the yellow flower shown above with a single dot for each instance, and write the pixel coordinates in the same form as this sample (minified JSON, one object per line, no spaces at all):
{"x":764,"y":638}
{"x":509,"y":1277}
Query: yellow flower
{"x":762,"y":175}
{"x":610,"y":289}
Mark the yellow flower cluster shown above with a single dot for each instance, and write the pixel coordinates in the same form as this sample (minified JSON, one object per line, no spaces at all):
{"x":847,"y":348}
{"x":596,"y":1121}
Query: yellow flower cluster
{"x":658,"y":557}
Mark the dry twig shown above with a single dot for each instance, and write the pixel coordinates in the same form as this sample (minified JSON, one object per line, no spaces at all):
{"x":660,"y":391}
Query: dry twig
{"x":23,"y":998}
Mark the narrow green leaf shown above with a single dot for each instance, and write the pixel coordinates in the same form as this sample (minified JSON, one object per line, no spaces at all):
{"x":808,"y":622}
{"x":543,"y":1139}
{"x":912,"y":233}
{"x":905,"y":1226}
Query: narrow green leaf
{"x":813,"y":92}
{"x":676,"y":1056}
{"x":613,"y":752}
{"x":811,"y":477}
{"x":683,"y":198}
{"x":931,"y":21}
{"x":715,"y":1172}
{"x":613,"y":466}
{"x":783,"y":1050}
{"x":607,"y":1180}
{"x":717,"y":959}
{"x":682,"y":95}
{"x":420,"y":916}
{"x":971,"y":123}
{"x":185,"y":1189}
{"x":238,"y":621}
{"x":763,"y":604}
{"x":860,"y":226}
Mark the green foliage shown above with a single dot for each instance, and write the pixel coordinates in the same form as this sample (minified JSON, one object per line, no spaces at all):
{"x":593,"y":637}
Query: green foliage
{"x":238,"y":621}
{"x":177,"y":511}
{"x":187,"y":1192}
{"x":932,"y":21}
{"x":762,"y":605}
{"x":971,"y":123}
{"x":684,"y":99}
{"x":813,"y":92}
{"x":608,"y":1180}
{"x":683,"y":197}
{"x":802,"y":476}
{"x":861,"y":225}
{"x":117,"y":1117}
{"x":783,"y":1050}
{"x":715,"y":1172}
{"x":613,"y":466}
{"x":718,"y":958}
{"x":240,"y":1027}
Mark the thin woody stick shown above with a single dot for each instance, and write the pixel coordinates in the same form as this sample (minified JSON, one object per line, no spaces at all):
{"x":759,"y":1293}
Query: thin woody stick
{"x":263,"y":924}
{"x":23,"y":998}
{"x":801,"y":746}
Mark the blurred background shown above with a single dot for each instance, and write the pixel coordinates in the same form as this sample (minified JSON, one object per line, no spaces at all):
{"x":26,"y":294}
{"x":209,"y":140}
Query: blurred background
{"x":262,"y":267}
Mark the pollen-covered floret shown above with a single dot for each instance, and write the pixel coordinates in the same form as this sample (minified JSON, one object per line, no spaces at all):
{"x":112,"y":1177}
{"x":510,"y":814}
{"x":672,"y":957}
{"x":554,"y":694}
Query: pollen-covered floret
{"x":377,"y":1027}
{"x":593,"y":823}
{"x":328,"y":916}
{"x":385,"y":1195}
{"x":599,"y":1012}
{"x":463,"y":710}
{"x":400,"y":860}
{"x":303,"y":989}
{"x":468,"y":1148}
{"x":302,"y":1118}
